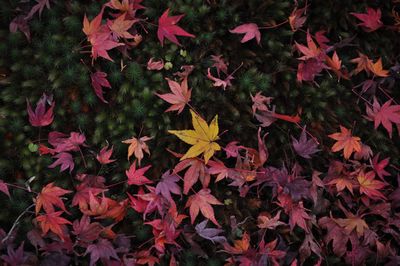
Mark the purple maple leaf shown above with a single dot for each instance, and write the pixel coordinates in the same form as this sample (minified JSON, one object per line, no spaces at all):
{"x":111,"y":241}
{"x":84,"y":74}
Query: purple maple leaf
{"x":211,"y":234}
{"x":15,"y":257}
{"x":65,"y":160}
{"x":167,"y":185}
{"x":103,"y":250}
{"x":304,"y":147}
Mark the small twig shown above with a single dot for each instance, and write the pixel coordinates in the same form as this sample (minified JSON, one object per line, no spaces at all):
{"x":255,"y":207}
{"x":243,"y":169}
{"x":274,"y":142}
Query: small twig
{"x":275,"y":26}
{"x":16,"y":223}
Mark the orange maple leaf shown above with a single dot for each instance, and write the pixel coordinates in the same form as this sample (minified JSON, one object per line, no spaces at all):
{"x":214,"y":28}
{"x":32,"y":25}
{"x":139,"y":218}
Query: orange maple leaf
{"x":353,"y":223}
{"x":137,"y":146}
{"x":342,"y":183}
{"x":50,"y":197}
{"x":345,"y":142}
{"x":377,"y":68}
{"x":370,"y":186}
{"x":362,"y":62}
{"x":202,"y":201}
{"x":53,"y":222}
{"x":335,"y":64}
{"x":240,"y":246}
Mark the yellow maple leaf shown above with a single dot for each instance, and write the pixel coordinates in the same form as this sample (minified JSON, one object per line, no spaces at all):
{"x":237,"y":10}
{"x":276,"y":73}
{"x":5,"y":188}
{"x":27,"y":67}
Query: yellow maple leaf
{"x":202,"y":138}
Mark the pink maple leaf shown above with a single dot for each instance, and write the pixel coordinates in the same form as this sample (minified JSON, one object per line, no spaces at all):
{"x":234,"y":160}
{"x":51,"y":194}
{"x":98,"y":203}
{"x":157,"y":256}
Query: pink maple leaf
{"x":136,"y":176}
{"x":179,"y":97}
{"x":64,"y":159}
{"x":250,"y":31}
{"x":167,"y":28}
{"x":104,"y":155}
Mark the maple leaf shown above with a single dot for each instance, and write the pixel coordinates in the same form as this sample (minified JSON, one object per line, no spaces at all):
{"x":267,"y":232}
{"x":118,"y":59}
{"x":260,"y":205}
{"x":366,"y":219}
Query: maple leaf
{"x":219,"y":64}
{"x":266,"y":222}
{"x":197,"y":170}
{"x":260,"y":102}
{"x":240,"y":246}
{"x":120,"y":26}
{"x":363,"y":63}
{"x":297,"y":18}
{"x":136,"y":176}
{"x":4,"y":188}
{"x":303,"y":146}
{"x":370,"y":186}
{"x":202,"y":201}
{"x":90,"y":28}
{"x":99,"y":80}
{"x":65,"y":160}
{"x":167,"y":185}
{"x":385,"y":115}
{"x":335,"y":64}
{"x":310,"y":51}
{"x":298,"y":216}
{"x":211,"y":234}
{"x":137,"y":146}
{"x":377,"y":68}
{"x":155,"y":65}
{"x":220,"y":82}
{"x":371,"y":21}
{"x":353,"y":223}
{"x":40,"y":117}
{"x":336,"y":234}
{"x":179,"y":97}
{"x":218,"y":168}
{"x":250,"y":31}
{"x":309,"y":69}
{"x":86,"y":231}
{"x":342,"y":183}
{"x":101,"y":44}
{"x":345,"y":142}
{"x":126,"y":6}
{"x":54,"y":223}
{"x":104,"y":155}
{"x":97,"y":206}
{"x":103,"y":250}
{"x":167,"y":28}
{"x":20,"y":23}
{"x":202,"y":138}
{"x":15,"y":257}
{"x":379,"y":166}
{"x":50,"y":197}
{"x":41,"y":4}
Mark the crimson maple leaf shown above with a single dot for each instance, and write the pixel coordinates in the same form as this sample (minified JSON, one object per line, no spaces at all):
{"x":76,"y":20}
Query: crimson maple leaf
{"x":298,"y":216}
{"x":250,"y":31}
{"x":371,"y":21}
{"x":65,"y":160}
{"x":99,"y":80}
{"x":54,"y":223}
{"x":167,"y":28}
{"x":50,"y":197}
{"x":85,"y":231}
{"x":136,"y":176}
{"x":104,"y":155}
{"x":179,"y":97}
{"x":40,"y":117}
{"x":202,"y":201}
{"x":379,"y":166}
{"x":101,"y":43}
{"x":385,"y":115}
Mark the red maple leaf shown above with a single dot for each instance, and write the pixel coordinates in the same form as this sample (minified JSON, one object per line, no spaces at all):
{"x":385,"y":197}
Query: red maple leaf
{"x":50,"y":197}
{"x":179,"y":97}
{"x":167,"y":28}
{"x":298,"y":216}
{"x":202,"y":201}
{"x":54,"y":223}
{"x":197,"y":170}
{"x":371,"y":21}
{"x":385,"y":115}
{"x":86,"y":231}
{"x":40,"y":117}
{"x":250,"y":31}
{"x":99,"y":80}
{"x":101,"y":43}
{"x":379,"y":166}
{"x":104,"y":155}
{"x":136,"y":176}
